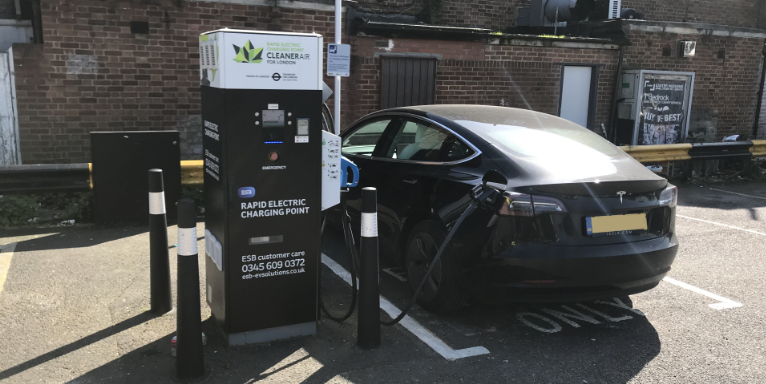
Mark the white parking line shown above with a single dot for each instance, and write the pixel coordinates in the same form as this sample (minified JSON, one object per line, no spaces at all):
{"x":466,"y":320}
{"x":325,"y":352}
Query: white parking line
{"x":722,"y":225}
{"x":397,"y":273}
{"x":723,"y":303}
{"x":6,"y":254}
{"x":409,"y":323}
{"x":740,"y":194}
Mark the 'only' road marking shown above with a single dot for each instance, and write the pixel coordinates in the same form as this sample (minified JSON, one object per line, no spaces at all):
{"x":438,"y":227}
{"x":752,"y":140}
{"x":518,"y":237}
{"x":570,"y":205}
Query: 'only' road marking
{"x":723,"y":303}
{"x":409,"y":323}
{"x":722,"y":225}
{"x":6,"y":253}
{"x":572,"y":315}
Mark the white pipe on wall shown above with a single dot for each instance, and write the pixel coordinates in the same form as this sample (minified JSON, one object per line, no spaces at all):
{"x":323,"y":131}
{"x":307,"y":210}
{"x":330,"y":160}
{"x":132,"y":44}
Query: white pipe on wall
{"x":337,"y":78}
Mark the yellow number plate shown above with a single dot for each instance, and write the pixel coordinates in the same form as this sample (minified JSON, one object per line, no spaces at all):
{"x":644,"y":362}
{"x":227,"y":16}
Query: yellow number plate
{"x":606,"y":224}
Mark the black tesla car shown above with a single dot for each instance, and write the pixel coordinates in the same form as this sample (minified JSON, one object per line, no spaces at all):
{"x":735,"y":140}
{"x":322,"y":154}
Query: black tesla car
{"x":579,"y":220}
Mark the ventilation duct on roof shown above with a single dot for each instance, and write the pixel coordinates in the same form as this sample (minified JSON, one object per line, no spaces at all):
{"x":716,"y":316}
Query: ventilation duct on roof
{"x":615,"y":9}
{"x":549,"y":13}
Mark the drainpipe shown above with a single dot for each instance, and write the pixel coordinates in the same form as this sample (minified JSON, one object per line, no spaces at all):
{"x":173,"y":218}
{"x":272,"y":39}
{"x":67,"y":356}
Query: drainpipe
{"x":37,"y":22}
{"x":17,"y":3}
{"x":616,"y":96}
{"x":336,"y":102}
{"x":759,"y":106}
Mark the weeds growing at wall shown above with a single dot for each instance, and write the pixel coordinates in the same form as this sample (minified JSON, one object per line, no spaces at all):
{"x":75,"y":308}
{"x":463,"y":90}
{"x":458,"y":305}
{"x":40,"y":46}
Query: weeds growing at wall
{"x":46,"y":209}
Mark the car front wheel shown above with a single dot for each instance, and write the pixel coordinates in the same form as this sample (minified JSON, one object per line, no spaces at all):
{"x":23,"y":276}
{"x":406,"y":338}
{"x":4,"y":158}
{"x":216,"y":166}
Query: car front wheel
{"x":440,"y":292}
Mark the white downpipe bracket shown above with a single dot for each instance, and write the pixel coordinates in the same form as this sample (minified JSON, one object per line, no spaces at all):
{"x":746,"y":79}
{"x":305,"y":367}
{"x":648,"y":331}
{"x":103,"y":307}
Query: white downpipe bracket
{"x":336,"y":103}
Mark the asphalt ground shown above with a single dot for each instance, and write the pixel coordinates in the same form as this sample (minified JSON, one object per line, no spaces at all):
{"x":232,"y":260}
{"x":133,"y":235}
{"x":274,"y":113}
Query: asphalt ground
{"x":73,"y":308}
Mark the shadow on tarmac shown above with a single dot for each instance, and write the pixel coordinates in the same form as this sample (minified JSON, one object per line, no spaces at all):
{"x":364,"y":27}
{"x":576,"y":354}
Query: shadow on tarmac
{"x":517,"y":355}
{"x":75,"y":237}
{"x":84,"y":342}
{"x":70,"y":237}
{"x":612,"y":352}
{"x":701,"y":196}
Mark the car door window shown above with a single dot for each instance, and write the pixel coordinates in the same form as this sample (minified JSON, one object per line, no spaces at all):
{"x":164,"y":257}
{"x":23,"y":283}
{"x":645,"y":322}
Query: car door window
{"x":420,"y":141}
{"x":455,"y":150}
{"x":363,"y":140}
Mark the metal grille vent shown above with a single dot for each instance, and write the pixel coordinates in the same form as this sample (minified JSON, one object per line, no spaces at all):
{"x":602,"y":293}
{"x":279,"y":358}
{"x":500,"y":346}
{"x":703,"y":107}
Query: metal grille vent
{"x":615,"y":7}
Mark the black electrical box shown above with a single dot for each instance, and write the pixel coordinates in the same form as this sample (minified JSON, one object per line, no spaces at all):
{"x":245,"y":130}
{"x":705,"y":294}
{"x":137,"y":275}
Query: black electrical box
{"x":121,"y":164}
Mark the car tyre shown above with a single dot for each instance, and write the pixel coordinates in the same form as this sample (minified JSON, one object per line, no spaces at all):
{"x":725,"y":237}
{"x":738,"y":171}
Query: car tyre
{"x":441,"y":293}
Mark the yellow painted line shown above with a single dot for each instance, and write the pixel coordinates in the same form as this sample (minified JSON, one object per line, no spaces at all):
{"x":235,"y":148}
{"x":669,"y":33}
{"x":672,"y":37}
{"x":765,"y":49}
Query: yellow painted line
{"x":6,"y":253}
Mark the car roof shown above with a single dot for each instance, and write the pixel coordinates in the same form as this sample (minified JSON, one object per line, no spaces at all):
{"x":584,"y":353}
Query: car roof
{"x":485,"y":114}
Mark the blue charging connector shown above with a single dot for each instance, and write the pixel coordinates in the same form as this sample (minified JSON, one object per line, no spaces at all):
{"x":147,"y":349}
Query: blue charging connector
{"x":345,"y":165}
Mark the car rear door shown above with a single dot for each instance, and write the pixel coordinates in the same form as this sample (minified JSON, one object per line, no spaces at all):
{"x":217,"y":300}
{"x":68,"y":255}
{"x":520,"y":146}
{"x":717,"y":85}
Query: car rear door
{"x":408,"y":169}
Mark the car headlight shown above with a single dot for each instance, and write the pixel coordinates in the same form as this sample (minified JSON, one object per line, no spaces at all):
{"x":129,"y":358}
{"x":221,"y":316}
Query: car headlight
{"x":669,"y":196}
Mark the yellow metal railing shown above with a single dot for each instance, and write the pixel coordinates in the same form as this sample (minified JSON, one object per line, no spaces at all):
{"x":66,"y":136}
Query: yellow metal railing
{"x":192,"y":170}
{"x":658,"y":153}
{"x":758,"y":148}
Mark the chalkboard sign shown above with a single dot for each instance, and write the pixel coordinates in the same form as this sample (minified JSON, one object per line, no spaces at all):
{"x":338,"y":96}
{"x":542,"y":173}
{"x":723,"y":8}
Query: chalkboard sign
{"x":664,"y":104}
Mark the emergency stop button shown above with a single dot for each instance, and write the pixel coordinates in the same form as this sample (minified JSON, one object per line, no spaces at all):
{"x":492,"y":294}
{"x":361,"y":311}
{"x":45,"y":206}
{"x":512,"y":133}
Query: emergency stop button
{"x":274,"y":156}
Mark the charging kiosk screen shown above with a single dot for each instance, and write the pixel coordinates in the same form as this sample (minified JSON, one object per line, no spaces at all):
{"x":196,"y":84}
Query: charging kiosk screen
{"x":273,"y":119}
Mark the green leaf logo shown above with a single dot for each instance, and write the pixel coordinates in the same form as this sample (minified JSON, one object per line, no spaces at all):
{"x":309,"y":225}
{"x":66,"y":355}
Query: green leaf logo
{"x":247,"y":53}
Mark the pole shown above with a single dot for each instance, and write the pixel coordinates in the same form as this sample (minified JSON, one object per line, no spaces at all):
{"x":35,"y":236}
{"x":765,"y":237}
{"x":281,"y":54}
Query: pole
{"x":189,"y":362}
{"x":369,"y":297}
{"x":336,"y":103}
{"x":159,"y":262}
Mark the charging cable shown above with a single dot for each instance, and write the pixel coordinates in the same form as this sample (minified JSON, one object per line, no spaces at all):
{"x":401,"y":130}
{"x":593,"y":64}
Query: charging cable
{"x":352,"y":255}
{"x":481,"y":194}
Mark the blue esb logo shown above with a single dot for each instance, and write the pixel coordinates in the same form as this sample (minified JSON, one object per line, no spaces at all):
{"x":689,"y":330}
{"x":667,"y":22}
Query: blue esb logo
{"x":246,"y":192}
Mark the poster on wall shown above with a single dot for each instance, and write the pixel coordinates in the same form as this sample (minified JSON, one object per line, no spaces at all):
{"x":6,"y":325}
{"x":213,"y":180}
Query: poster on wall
{"x":664,"y":109}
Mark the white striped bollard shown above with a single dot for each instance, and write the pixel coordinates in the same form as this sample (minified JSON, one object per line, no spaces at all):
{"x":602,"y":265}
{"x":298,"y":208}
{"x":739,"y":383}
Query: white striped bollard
{"x":159,"y":262}
{"x":368,"y":332}
{"x":189,"y":358}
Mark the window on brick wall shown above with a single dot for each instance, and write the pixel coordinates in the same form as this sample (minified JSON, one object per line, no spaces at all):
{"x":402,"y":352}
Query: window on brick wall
{"x":407,"y":81}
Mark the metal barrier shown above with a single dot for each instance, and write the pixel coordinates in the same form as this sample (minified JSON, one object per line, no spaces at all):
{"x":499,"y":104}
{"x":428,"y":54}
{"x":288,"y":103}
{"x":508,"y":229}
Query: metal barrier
{"x":44,"y":178}
{"x":658,"y":153}
{"x":192,"y":172}
{"x":758,"y":148}
{"x":705,"y":151}
{"x":77,"y":177}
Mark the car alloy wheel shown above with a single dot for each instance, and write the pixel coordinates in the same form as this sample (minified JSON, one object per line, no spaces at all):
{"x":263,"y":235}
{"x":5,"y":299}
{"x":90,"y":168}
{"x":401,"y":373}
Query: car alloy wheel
{"x":419,"y":259}
{"x":441,"y":292}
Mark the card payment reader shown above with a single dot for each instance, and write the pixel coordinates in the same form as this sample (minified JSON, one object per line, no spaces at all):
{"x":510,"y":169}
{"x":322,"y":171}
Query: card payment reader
{"x":262,"y":149}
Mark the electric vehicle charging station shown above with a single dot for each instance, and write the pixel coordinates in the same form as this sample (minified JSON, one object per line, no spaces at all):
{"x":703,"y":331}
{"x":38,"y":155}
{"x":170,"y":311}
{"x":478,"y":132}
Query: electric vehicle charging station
{"x":265,"y":163}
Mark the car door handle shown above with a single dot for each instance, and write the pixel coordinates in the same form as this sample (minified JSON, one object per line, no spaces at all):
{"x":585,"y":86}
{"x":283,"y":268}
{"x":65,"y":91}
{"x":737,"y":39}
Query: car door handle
{"x":410,"y":181}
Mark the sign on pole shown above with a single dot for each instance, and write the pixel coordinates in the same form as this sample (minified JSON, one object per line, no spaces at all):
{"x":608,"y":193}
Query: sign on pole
{"x":338,"y":60}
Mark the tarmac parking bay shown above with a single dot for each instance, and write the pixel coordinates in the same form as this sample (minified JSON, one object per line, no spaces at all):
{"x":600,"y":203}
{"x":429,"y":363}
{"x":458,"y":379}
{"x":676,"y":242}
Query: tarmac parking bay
{"x":72,"y":309}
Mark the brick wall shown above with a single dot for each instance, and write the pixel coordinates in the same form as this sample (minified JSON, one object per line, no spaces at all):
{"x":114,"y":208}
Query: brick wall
{"x":92,"y":74}
{"x":443,"y":49}
{"x":364,"y":86}
{"x":404,"y":7}
{"x":492,"y":14}
{"x":514,"y":76}
{"x":725,"y":88}
{"x":528,"y":77}
{"x":741,"y":13}
{"x":363,"y":94}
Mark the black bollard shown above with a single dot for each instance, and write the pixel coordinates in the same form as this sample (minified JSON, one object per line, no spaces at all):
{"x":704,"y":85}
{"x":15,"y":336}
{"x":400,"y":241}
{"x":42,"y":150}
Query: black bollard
{"x":368,"y":333}
{"x":159,"y":262}
{"x":189,"y":361}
